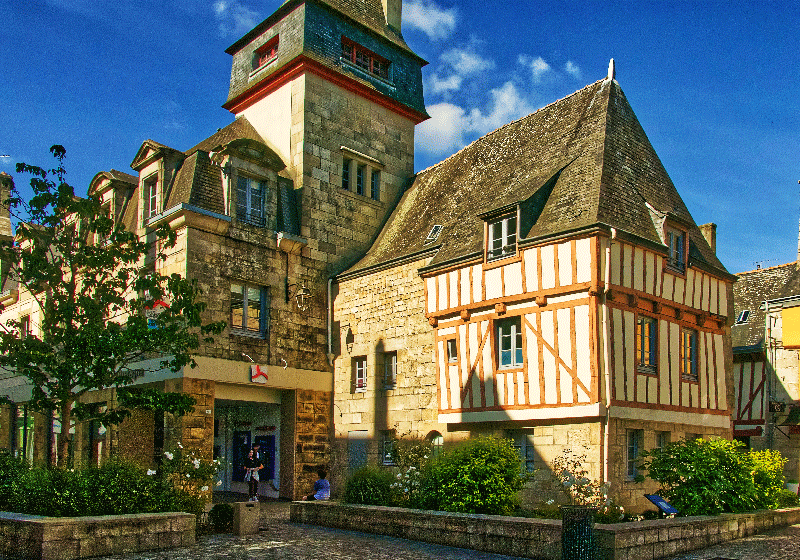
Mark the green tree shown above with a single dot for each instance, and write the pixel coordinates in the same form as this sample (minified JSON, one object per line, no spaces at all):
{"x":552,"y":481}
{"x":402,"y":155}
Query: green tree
{"x":92,"y":281}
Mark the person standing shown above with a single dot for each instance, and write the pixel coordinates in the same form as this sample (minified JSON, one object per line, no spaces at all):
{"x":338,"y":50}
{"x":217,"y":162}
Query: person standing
{"x":252,"y":465}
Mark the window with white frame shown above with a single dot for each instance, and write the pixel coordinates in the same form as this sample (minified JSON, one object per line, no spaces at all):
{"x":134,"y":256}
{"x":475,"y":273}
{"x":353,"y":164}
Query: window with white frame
{"x":676,"y":247}
{"x":24,"y":326}
{"x":150,"y":196}
{"x":502,"y":237}
{"x":360,"y":374}
{"x":250,"y":200}
{"x":646,"y":344}
{"x":249,"y":310}
{"x":452,"y":350}
{"x":509,"y":343}
{"x":634,"y":448}
{"x":390,"y":370}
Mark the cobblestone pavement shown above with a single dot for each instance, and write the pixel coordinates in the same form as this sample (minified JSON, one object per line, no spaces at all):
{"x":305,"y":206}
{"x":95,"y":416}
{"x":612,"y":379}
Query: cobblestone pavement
{"x":778,"y":544}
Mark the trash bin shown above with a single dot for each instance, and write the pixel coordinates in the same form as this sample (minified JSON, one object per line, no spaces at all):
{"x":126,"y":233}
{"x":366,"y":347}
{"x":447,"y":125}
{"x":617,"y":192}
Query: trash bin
{"x":577,"y":532}
{"x":246,"y":516}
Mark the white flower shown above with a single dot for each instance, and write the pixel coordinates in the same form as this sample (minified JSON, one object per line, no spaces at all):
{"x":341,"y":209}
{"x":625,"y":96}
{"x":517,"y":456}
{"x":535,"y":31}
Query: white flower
{"x":150,"y":472}
{"x":187,"y":475}
{"x":204,"y":489}
{"x":196,"y":463}
{"x":219,"y":483}
{"x":168,"y":455}
{"x":179,"y":445}
{"x":550,"y":502}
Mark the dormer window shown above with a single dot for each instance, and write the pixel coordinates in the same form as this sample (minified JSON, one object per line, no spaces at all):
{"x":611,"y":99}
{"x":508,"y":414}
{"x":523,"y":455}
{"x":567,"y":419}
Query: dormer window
{"x":150,"y":196}
{"x":676,"y":246}
{"x":502,"y":237}
{"x":743,"y":316}
{"x":266,"y":53}
{"x":365,"y":59}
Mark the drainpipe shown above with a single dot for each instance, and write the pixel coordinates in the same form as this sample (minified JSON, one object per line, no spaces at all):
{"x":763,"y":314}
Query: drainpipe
{"x":607,"y":353}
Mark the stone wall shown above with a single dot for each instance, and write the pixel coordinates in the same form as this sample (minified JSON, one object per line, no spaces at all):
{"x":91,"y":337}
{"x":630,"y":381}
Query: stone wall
{"x":541,"y":538}
{"x":65,"y":538}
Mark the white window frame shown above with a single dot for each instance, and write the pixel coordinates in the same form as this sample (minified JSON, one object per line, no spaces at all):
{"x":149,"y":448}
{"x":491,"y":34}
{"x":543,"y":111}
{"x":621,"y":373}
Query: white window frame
{"x":690,"y":340}
{"x":263,"y":307}
{"x":247,"y":210}
{"x":451,"y":347}
{"x":502,"y":238}
{"x":360,"y":374}
{"x":150,"y":193}
{"x":510,"y":330}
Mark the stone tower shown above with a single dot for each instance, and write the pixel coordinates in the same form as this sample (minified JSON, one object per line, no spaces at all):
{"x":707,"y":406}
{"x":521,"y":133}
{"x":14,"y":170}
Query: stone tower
{"x":333,"y":89}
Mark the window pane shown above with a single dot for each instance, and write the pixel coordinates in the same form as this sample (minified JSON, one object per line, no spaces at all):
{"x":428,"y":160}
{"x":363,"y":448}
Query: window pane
{"x":253,"y":309}
{"x":237,"y":307}
{"x":256,"y":200}
{"x":241,"y":197}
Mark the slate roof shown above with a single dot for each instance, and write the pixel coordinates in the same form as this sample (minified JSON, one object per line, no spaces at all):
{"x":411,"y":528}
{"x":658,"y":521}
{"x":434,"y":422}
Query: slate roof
{"x":238,"y":129}
{"x":751,"y":290}
{"x":581,"y":162}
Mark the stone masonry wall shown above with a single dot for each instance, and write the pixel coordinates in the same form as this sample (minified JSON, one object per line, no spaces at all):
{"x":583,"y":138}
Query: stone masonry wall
{"x":312,"y":438}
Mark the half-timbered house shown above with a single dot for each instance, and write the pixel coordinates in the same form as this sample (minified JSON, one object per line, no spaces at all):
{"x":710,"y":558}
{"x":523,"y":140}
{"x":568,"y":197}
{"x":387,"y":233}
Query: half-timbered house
{"x":546,"y":283}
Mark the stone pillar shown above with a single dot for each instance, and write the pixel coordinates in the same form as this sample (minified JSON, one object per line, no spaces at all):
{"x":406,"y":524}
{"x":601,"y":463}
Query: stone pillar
{"x":305,"y":440}
{"x":196,"y":429}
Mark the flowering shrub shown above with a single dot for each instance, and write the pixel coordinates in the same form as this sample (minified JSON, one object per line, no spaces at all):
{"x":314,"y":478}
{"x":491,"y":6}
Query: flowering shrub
{"x":410,"y":457}
{"x":572,"y":479}
{"x":481,"y":475}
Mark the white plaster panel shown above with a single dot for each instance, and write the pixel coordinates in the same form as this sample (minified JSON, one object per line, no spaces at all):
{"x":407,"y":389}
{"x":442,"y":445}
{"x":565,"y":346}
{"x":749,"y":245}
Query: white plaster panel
{"x":721,"y":389}
{"x":703,"y":372}
{"x":583,"y":252}
{"x":583,"y":351}
{"x":455,"y":388}
{"x":580,"y":411}
{"x":565,"y":264}
{"x":466,"y":289}
{"x":650,"y":272}
{"x":659,"y":266}
{"x":615,"y":262}
{"x":488,"y":369}
{"x":477,"y":283}
{"x":675,"y":353}
{"x":430,"y":289}
{"x":521,"y":388}
{"x":512,"y":276}
{"x":663,"y":363}
{"x":565,"y":353}
{"x":627,"y":273}
{"x":550,"y":371}
{"x":443,"y":404}
{"x":446,"y":331}
{"x":630,"y":358}
{"x":641,"y":387}
{"x":693,"y":390}
{"x":638,"y":269}
{"x":532,"y":362}
{"x":652,"y":389}
{"x":668,"y":286}
{"x":758,"y":403}
{"x":531,"y":270}
{"x":494,"y":283}
{"x":500,"y":379}
{"x":685,"y":393}
{"x":680,"y":289}
{"x":441,"y":285}
{"x":454,"y":284}
{"x":723,"y":298}
{"x":698,"y":288}
{"x":463,"y":356}
{"x":619,"y":363}
{"x":744,"y":388}
{"x":548,"y":267}
{"x":712,"y":376}
{"x":475,"y":357}
{"x":713,"y":307}
{"x":688,"y":295}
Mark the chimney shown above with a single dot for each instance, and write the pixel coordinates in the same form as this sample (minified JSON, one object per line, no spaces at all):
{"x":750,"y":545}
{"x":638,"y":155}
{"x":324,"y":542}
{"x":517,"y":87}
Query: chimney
{"x":6,"y":185}
{"x":709,"y":231}
{"x":393,"y":10}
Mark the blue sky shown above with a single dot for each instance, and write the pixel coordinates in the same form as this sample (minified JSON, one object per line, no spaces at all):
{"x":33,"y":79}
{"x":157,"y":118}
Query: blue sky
{"x":716,"y":86}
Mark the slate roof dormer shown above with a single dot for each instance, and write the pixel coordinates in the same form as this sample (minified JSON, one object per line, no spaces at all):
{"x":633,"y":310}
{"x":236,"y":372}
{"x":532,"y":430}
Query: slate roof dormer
{"x":580,"y":163}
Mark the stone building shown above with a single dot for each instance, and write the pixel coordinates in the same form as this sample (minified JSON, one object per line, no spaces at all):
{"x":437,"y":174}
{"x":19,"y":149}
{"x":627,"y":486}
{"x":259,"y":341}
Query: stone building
{"x":546,"y":283}
{"x":766,"y":340}
{"x":325,"y":95}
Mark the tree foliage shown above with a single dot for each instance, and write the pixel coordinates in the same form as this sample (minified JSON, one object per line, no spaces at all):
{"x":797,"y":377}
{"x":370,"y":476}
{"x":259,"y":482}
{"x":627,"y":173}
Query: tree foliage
{"x":92,"y":281}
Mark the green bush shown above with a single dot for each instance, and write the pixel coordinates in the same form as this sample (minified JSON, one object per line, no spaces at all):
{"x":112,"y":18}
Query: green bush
{"x":702,"y":477}
{"x":481,"y":475}
{"x":221,"y":518}
{"x":11,"y":468}
{"x":786,"y":498}
{"x":768,"y":476}
{"x":370,"y":485}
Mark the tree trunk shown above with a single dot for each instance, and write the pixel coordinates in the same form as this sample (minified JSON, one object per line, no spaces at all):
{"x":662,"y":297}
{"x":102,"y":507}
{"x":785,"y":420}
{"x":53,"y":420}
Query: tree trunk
{"x":65,"y":436}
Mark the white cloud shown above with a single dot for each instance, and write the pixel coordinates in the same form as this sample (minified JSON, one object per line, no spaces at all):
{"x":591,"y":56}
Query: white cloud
{"x":436,"y":22}
{"x":441,"y":85}
{"x":572,"y":69}
{"x":537,"y":66}
{"x":466,"y":61}
{"x":450,"y":127}
{"x":6,"y":159}
{"x":234,"y":18}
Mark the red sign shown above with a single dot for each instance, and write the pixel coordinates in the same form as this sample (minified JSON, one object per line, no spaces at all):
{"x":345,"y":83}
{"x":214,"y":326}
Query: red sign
{"x":256,"y":373}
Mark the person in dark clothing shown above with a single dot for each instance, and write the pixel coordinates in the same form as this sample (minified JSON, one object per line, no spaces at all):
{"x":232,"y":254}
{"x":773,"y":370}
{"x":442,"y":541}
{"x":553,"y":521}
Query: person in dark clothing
{"x":252,"y":465}
{"x":322,"y":488}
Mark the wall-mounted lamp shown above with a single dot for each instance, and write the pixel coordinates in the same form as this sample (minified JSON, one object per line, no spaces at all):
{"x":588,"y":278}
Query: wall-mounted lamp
{"x":300,"y":293}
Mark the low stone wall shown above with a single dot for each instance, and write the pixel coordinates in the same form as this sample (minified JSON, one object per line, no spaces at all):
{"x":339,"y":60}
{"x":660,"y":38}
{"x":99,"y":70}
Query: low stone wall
{"x":65,"y":538}
{"x":541,"y":538}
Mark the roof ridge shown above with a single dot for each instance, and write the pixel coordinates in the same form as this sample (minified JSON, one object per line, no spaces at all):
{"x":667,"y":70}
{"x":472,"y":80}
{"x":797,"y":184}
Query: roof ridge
{"x":768,"y":268}
{"x":502,"y":127}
